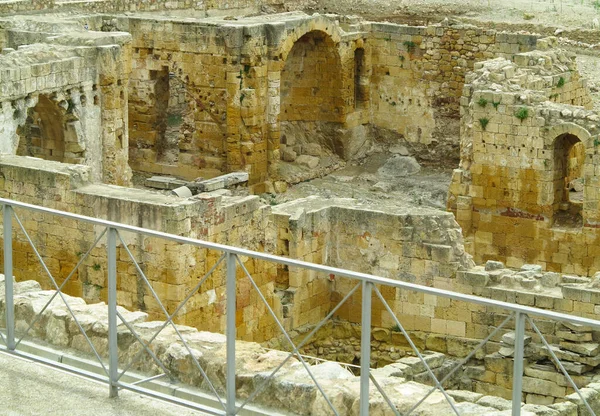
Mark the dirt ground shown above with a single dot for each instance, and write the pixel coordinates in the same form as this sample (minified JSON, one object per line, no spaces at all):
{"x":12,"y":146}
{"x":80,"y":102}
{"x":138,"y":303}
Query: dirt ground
{"x":566,"y":13}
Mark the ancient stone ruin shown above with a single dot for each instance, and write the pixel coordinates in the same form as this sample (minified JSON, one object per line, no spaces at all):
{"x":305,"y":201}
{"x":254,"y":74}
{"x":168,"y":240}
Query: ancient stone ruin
{"x":448,"y":153}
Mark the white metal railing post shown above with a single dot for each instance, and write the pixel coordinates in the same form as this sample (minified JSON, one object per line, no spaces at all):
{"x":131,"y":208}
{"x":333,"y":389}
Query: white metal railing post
{"x":9,"y":301}
{"x":230,"y":331}
{"x":113,"y":349}
{"x":365,"y":348}
{"x":517,"y":386}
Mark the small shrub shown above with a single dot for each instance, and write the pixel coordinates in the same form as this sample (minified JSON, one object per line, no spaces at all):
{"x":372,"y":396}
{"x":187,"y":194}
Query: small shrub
{"x":393,"y":103}
{"x":484,"y":122}
{"x":522,"y":113}
{"x":402,"y":58}
{"x":596,"y":142}
{"x":528,"y":16}
{"x":553,"y":96}
{"x":96,"y":267}
{"x":496,"y":104}
{"x":561,"y":82}
{"x":482,"y":102}
{"x":410,"y":45}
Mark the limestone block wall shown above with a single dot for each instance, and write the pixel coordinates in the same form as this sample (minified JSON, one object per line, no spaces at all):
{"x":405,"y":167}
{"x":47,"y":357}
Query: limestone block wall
{"x":68,"y":104}
{"x":424,"y":248}
{"x":231,"y":76}
{"x":418,"y":76}
{"x":510,"y":193}
{"x":172,"y":269}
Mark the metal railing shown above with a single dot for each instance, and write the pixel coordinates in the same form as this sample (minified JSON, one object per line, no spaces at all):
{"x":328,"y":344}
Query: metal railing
{"x":114,"y":372}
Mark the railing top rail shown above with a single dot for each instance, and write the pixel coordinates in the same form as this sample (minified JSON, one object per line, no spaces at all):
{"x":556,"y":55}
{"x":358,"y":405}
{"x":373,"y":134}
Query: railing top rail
{"x":312,"y":266}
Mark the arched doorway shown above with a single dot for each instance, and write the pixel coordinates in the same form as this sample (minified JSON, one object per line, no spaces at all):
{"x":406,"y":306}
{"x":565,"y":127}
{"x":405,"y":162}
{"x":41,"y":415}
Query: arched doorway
{"x":311,"y":100}
{"x":43,"y":134}
{"x":568,"y":180}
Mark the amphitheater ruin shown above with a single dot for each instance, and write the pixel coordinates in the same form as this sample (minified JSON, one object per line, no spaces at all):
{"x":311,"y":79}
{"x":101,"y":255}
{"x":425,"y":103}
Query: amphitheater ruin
{"x":448,"y":153}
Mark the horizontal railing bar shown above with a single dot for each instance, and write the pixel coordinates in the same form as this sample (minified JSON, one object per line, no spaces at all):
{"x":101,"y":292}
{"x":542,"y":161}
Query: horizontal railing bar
{"x":148,"y":379}
{"x":316,"y":267}
{"x":171,"y":399}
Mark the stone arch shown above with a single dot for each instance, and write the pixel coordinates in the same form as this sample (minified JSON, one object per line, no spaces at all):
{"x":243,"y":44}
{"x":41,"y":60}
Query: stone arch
{"x":312,"y":106}
{"x":320,"y":24}
{"x":43,"y":133}
{"x":569,"y":146}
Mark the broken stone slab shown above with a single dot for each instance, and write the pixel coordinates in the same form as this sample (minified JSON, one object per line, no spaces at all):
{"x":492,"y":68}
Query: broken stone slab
{"x":399,"y":166}
{"x":509,"y":339}
{"x":574,"y":336}
{"x":574,"y":279}
{"x":564,"y":355}
{"x":416,"y":366}
{"x":224,"y":181}
{"x":312,"y":149}
{"x":576,"y":327}
{"x":589,"y":349}
{"x":399,"y":150}
{"x":288,"y":155}
{"x":464,"y":396}
{"x":576,"y":368}
{"x":495,"y":402}
{"x":491,"y":265}
{"x":550,"y":279}
{"x":531,"y":268}
{"x":164,"y":182}
{"x":309,"y":161}
{"x":474,"y":278}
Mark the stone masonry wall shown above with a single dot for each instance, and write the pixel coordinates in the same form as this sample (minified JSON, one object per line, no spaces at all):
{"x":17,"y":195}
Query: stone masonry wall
{"x":418,"y":76}
{"x":172,"y":269}
{"x":510,"y":193}
{"x":424,"y":248}
{"x":85,"y":88}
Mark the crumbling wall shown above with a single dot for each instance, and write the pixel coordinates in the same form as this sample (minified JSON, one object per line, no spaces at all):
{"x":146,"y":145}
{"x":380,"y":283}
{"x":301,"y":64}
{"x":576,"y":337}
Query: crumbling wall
{"x":172,"y":269}
{"x":81,"y":94}
{"x":423,"y":248}
{"x":418,"y":77}
{"x":510,"y":193}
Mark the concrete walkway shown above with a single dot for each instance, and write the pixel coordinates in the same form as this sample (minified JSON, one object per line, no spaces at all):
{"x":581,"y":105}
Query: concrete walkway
{"x":28,"y":388}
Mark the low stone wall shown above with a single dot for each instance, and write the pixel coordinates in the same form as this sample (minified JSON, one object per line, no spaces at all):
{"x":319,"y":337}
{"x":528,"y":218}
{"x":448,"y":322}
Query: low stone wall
{"x":172,"y":269}
{"x":253,"y":364}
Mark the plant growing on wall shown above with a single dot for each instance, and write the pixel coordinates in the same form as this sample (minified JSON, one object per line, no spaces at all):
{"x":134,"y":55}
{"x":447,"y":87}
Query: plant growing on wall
{"x":410,"y":45}
{"x":482,"y":102}
{"x":561,"y":82}
{"x":496,"y":104}
{"x":522,"y":113}
{"x":484,"y":122}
